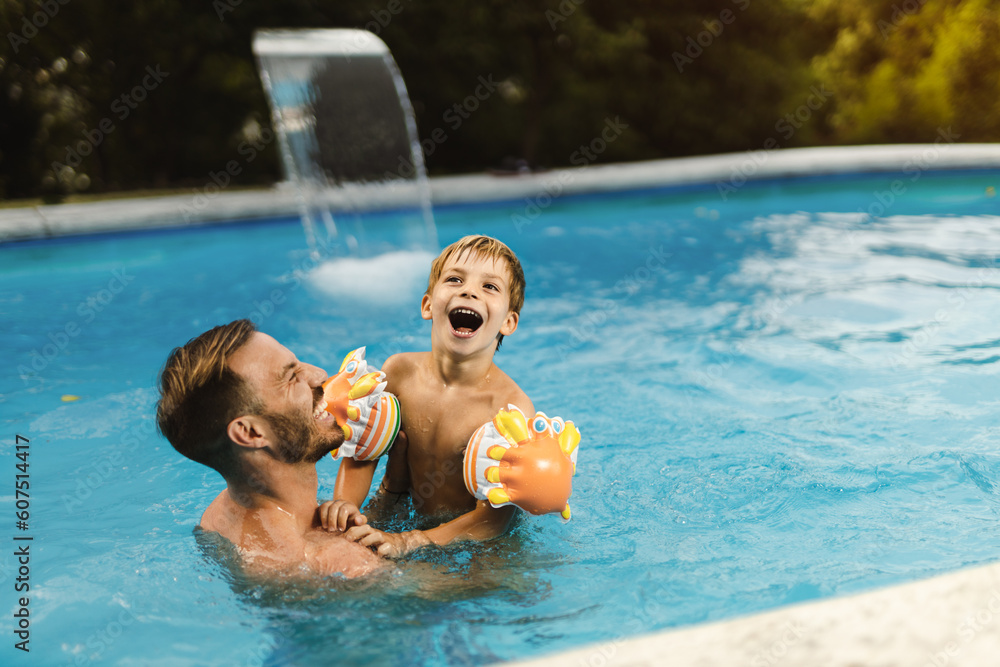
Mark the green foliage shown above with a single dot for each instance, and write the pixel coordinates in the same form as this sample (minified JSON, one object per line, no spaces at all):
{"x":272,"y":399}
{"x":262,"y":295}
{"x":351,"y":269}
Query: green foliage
{"x":908,"y":69}
{"x":676,"y":77}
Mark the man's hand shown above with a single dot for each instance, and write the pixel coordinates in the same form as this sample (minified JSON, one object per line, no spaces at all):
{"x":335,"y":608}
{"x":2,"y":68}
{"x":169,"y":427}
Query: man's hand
{"x":387,"y":545}
{"x":339,"y":515}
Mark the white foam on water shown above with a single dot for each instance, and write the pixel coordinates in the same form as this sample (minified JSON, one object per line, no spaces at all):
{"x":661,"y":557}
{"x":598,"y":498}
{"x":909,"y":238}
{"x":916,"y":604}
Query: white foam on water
{"x":389,"y":279}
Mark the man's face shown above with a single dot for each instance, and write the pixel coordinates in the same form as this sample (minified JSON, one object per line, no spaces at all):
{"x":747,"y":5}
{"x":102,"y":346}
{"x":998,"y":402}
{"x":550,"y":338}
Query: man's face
{"x":291,"y":393}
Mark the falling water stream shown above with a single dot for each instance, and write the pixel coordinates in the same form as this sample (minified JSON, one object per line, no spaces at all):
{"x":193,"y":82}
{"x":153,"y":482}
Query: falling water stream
{"x":348,"y":137}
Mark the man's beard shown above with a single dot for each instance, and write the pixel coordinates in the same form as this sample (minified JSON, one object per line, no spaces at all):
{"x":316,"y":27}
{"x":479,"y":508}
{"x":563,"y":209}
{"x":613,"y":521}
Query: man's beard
{"x":300,"y":439}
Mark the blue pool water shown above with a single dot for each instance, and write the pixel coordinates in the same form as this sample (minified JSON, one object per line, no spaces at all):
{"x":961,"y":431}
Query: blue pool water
{"x":782,"y":398}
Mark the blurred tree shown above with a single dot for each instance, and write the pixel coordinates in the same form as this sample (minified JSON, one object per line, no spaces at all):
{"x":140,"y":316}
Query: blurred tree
{"x":549,"y":82}
{"x":110,"y":95}
{"x":907,"y":69}
{"x":565,"y":70}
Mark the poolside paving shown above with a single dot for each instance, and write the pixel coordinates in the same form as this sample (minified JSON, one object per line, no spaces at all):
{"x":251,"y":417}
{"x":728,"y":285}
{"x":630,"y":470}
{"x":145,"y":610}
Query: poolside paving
{"x":951,"y":620}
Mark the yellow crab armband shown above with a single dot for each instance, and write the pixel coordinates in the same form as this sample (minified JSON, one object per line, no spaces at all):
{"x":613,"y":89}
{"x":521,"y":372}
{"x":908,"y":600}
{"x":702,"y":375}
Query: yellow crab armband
{"x":511,"y":460}
{"x":367,"y":413}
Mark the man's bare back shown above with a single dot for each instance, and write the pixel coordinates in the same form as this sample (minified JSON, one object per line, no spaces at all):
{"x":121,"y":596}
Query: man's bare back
{"x":438,"y":420}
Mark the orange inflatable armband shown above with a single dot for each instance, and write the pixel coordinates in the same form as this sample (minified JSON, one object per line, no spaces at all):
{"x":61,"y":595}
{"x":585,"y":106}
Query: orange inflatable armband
{"x":368,"y":415}
{"x":510,"y":460}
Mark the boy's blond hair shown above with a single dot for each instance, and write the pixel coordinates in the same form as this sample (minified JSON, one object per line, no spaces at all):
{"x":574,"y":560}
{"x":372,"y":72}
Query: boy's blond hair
{"x":490,"y":248}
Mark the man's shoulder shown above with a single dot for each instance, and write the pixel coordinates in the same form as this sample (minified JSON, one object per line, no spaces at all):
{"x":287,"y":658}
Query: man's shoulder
{"x":329,"y":553}
{"x":260,"y":535}
{"x":268,"y":543}
{"x":213,"y":518}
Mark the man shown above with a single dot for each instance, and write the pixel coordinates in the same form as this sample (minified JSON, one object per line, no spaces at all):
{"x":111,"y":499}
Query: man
{"x":241,"y":403}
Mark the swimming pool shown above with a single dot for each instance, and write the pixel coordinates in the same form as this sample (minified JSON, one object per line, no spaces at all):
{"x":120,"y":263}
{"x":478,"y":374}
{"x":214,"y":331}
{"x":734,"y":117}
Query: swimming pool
{"x":783,"y":396}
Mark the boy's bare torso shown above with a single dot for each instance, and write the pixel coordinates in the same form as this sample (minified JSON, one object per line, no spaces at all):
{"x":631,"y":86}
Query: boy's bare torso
{"x":438,"y":420}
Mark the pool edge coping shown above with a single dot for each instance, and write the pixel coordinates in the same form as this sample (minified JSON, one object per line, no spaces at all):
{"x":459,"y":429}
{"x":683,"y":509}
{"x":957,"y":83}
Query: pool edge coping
{"x":947,"y":619}
{"x":211,"y":204}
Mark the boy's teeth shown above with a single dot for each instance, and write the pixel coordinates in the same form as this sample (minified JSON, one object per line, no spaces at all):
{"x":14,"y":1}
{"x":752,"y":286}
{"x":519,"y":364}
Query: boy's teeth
{"x":465,"y":321}
{"x":319,"y":410}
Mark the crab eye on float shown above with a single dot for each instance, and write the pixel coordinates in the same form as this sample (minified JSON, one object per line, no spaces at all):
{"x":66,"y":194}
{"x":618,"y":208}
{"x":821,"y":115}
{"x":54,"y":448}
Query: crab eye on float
{"x":464,"y":319}
{"x":557,"y":425}
{"x":350,"y":367}
{"x":540,"y":425}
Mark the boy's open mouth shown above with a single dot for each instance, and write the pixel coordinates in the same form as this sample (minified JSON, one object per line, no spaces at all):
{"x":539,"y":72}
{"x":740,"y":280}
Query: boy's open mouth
{"x":464,"y":321}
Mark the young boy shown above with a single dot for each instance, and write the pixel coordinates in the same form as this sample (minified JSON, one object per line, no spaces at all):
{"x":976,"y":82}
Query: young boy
{"x":473,"y":299}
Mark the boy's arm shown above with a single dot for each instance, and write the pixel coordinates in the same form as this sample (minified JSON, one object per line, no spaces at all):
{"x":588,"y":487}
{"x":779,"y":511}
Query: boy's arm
{"x":482,"y":523}
{"x":354,"y":480}
{"x":486,"y":521}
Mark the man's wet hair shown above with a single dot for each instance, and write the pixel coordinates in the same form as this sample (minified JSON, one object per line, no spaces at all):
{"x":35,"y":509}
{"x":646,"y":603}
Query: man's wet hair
{"x":200,"y":394}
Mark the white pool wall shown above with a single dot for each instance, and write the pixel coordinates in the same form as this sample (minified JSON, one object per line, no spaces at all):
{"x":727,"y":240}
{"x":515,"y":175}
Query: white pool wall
{"x":210,"y":204}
